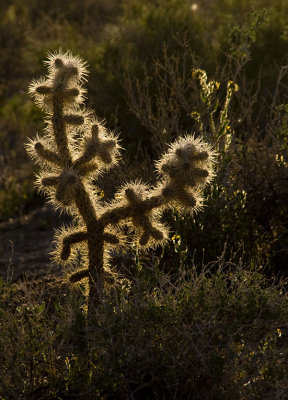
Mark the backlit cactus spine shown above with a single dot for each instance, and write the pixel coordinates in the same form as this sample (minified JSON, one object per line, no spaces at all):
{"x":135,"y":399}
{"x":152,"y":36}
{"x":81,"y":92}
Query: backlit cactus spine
{"x":75,"y":147}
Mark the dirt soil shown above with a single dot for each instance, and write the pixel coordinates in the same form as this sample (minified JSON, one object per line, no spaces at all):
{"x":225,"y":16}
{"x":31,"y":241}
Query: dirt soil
{"x":25,"y":245}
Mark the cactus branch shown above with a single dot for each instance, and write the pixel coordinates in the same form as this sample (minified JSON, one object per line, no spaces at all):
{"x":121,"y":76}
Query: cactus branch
{"x":79,"y":275}
{"x":44,"y":89}
{"x":73,"y":119}
{"x":50,"y":181}
{"x":70,"y":240}
{"x":109,"y":238}
{"x":47,"y":155}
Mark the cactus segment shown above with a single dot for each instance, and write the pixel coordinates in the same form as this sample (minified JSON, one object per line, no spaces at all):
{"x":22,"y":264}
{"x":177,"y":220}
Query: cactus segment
{"x":73,"y":119}
{"x":50,"y":181}
{"x":109,"y":238}
{"x":69,"y":240}
{"x":47,"y":155}
{"x":79,"y":275}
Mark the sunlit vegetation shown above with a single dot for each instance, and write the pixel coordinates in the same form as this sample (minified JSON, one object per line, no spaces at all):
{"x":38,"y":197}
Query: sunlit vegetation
{"x":205,"y":317}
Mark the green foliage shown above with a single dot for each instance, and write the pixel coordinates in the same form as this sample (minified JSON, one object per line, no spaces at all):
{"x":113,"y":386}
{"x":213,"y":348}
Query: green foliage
{"x":241,"y":38}
{"x":219,"y":131}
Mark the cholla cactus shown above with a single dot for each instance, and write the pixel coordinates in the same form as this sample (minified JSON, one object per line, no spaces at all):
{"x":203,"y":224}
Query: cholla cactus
{"x":76,"y":147}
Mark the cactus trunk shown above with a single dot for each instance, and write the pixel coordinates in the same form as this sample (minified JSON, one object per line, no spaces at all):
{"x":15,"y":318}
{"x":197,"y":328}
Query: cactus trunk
{"x":96,"y":271}
{"x":95,"y":249}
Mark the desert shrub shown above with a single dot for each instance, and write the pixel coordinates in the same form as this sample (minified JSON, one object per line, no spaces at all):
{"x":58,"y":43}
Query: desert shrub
{"x":209,"y":336}
{"x":245,"y":210}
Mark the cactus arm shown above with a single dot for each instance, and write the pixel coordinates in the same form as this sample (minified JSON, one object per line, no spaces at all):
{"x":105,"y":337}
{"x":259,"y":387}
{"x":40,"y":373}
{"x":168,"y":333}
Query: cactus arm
{"x":96,"y":146}
{"x":116,"y":214}
{"x":86,"y":169}
{"x":139,"y":211}
{"x":70,"y":94}
{"x":148,"y":230}
{"x":69,"y":240}
{"x":183,"y":169}
{"x":110,"y":238}
{"x":47,"y":155}
{"x":50,"y":181}
{"x":44,"y":90}
{"x":73,"y":119}
{"x":79,"y":275}
{"x":133,"y":206}
{"x":89,"y":153}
